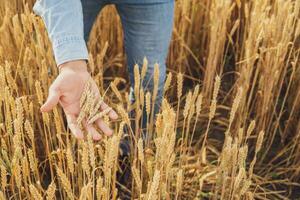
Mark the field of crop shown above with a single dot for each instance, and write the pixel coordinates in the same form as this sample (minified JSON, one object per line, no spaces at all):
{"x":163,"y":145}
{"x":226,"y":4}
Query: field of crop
{"x":229,"y":126}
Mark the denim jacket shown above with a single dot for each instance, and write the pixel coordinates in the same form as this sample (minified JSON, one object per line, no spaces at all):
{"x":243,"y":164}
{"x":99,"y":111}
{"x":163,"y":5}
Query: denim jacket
{"x":64,"y":23}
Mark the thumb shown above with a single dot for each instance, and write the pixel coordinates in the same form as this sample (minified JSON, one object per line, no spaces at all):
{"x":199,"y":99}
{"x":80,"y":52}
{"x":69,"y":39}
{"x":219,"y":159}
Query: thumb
{"x":52,"y":100}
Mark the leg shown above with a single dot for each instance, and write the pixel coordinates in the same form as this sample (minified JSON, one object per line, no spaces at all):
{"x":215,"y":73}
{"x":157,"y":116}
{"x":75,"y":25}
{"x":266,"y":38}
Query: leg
{"x":91,"y":9}
{"x":147,"y":33}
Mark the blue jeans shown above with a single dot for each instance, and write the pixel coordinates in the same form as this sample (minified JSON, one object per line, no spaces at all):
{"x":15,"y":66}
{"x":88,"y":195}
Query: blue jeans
{"x":147,"y":33}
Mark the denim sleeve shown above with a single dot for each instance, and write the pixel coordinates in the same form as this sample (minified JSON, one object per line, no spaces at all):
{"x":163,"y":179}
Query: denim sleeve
{"x":64,"y":23}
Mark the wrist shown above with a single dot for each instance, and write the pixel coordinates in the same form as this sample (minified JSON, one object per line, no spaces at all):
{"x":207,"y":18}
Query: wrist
{"x":76,"y":66}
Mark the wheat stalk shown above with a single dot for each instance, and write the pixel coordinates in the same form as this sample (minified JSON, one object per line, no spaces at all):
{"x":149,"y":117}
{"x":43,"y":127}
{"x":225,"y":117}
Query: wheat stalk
{"x":50,"y":193}
{"x":70,"y":160}
{"x":154,"y":186}
{"x":65,"y":183}
{"x":35,"y":193}
{"x":3,"y":177}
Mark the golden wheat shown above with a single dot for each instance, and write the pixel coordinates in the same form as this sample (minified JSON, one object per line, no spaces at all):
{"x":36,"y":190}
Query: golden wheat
{"x":252,"y":46}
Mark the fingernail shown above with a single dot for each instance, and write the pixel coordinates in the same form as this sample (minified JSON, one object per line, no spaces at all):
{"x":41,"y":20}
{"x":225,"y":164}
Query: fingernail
{"x":79,"y":136}
{"x":96,"y":137}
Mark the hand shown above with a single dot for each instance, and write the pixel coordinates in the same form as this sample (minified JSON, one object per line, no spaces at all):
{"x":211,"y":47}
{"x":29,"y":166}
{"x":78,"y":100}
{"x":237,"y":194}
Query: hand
{"x":67,"y":90}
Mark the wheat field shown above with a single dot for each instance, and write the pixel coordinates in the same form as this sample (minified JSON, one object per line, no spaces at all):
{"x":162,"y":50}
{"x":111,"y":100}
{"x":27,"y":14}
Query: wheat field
{"x":229,"y":126}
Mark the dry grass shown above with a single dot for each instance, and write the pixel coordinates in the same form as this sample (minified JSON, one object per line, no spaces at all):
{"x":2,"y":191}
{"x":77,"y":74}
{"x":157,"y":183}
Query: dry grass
{"x":229,"y":125}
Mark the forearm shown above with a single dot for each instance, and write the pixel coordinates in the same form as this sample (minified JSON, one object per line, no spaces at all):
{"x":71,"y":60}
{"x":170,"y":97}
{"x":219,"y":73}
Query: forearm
{"x":64,"y":22}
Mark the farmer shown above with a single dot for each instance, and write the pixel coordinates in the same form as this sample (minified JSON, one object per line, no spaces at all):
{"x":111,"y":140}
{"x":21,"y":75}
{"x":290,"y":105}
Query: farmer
{"x":147,"y":26}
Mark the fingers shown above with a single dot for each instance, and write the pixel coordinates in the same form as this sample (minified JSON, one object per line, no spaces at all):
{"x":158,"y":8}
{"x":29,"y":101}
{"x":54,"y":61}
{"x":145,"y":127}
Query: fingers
{"x":104,"y":127}
{"x":51,"y":101}
{"x":112,"y":114}
{"x":73,"y":126}
{"x":95,"y":134}
{"x":77,"y":132}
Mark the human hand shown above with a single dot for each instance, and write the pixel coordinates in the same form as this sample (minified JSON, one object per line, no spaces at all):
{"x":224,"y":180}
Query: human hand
{"x":67,"y":89}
